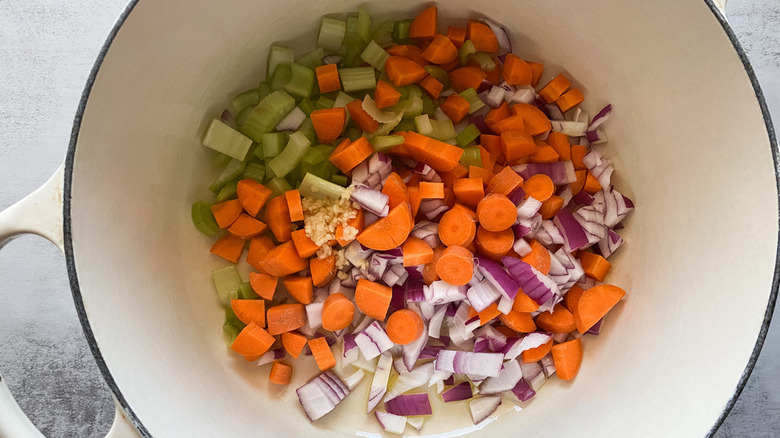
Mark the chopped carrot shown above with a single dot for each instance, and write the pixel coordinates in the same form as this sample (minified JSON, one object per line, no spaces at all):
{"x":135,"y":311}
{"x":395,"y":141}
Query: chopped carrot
{"x":441,"y":50}
{"x":457,"y":35}
{"x":293,"y":198}
{"x":416,"y":252}
{"x":322,"y":353}
{"x":504,"y":330}
{"x":594,"y":265}
{"x":431,"y":86}
{"x":229,"y":248}
{"x":492,"y":76}
{"x":482,"y":36}
{"x":577,"y":186}
{"x":488,"y":161}
{"x":385,"y":95}
{"x":252,"y":341}
{"x":534,"y":120}
{"x":349,"y":154}
{"x":595,"y":303}
{"x":424,"y":25}
{"x":283,"y":260}
{"x":592,"y":185}
{"x":489,"y":313}
{"x":328,"y":123}
{"x":521,"y":322}
{"x":560,"y":142}
{"x":258,"y":248}
{"x":414,"y":200}
{"x":538,"y":258}
{"x":457,"y":228}
{"x":442,"y":157}
{"x":303,"y":244}
{"x":481,"y":173}
{"x":537,"y":70}
{"x":536,"y":354}
{"x":398,"y":50}
{"x":249,"y":311}
{"x":572,"y":297}
{"x":496,"y":212}
{"x":415,"y":54}
{"x":567,"y":357}
{"x":551,"y":207}
{"x":293,"y":343}
{"x":337,"y":312}
{"x":459,"y":171}
{"x":511,"y":123}
{"x":280,"y":374}
{"x":404,"y":326}
{"x":396,"y":190}
{"x":450,"y":66}
{"x":264,"y":285}
{"x":362,"y":119}
{"x":227,"y":212}
{"x":285,"y":318}
{"x":252,"y":195}
{"x":328,"y":78}
{"x":554,"y":88}
{"x":358,"y":222}
{"x":578,"y":152}
{"x":277,"y":216}
{"x":467,"y":77}
{"x":431,"y":190}
{"x":517,"y":71}
{"x":524,"y":303}
{"x":429,"y":271}
{"x":539,"y":187}
{"x":455,"y":107}
{"x":517,"y":144}
{"x":495,"y":244}
{"x":388,"y":232}
{"x":560,"y":320}
{"x":469,"y":191}
{"x":456,"y":265}
{"x":403,"y":71}
{"x":569,"y":100}
{"x":300,"y":288}
{"x":322,"y":270}
{"x":544,"y":154}
{"x":496,"y":115}
{"x":505,"y":182}
{"x":373,"y":299}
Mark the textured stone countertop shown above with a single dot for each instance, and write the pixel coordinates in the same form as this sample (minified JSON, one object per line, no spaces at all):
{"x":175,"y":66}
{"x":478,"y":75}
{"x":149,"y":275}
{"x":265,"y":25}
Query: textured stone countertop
{"x":47,"y":48}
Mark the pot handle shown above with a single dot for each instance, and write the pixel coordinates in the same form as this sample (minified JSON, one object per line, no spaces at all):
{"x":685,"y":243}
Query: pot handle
{"x":40,"y":213}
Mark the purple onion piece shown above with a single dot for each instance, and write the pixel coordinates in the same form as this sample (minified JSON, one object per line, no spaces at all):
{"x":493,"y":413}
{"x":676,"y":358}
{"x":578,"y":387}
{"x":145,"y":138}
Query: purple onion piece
{"x":462,"y":391}
{"x":573,"y":234}
{"x":409,"y":404}
{"x":523,"y":391}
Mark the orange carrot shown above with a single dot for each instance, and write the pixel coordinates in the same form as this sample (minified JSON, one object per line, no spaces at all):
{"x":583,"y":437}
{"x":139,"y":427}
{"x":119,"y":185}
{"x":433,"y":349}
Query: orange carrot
{"x":280,"y":374}
{"x":554,"y":88}
{"x":415,"y":54}
{"x":404,"y":326}
{"x":362,"y":119}
{"x":567,"y":357}
{"x":569,"y":100}
{"x":373,"y":299}
{"x":263,"y":285}
{"x":322,"y":270}
{"x":524,"y":303}
{"x":456,"y":107}
{"x":300,"y":288}
{"x":449,"y":178}
{"x":559,"y":321}
{"x":431,"y":86}
{"x":495,"y":244}
{"x":539,"y":187}
{"x":322,"y":353}
{"x":511,"y":123}
{"x":348,"y":155}
{"x":492,"y":143}
{"x":517,"y":71}
{"x":505,"y":182}
{"x":303,"y":244}
{"x":468,"y":190}
{"x":467,"y":77}
{"x":492,"y":76}
{"x":358,"y":222}
{"x":544,"y":154}
{"x":456,"y":265}
{"x":517,"y":144}
{"x":489,"y":314}
{"x":337,"y":312}
{"x":277,"y":216}
{"x":488,"y":161}
{"x":496,"y":212}
{"x":456,"y":228}
{"x":252,"y":195}
{"x":551,"y":207}
{"x":572,"y":297}
{"x":328,"y":78}
{"x":424,"y":25}
{"x":560,"y":142}
{"x":227,"y":212}
{"x":594,"y":304}
{"x":537,"y":70}
{"x":429,"y":270}
{"x":441,"y":156}
{"x":482,"y":36}
{"x":252,"y":341}
{"x":246,"y":227}
{"x":258,"y":248}
{"x":578,"y":151}
{"x":440,"y":51}
{"x":496,"y":115}
{"x":481,"y":173}
{"x":431,"y":190}
{"x":385,"y":95}
{"x":249,"y":311}
{"x":328,"y":123}
{"x":388,"y":232}
{"x":534,"y":120}
{"x":539,"y":257}
{"x":416,"y":252}
{"x":228,"y":247}
{"x":521,"y":322}
{"x":414,"y":201}
{"x":594,"y":265}
{"x":285,"y":318}
{"x":403,"y":71}
{"x":592,"y":185}
{"x":536,"y":354}
{"x":293,"y":343}
{"x":457,"y":35}
{"x":582,"y":176}
{"x":283,"y":260}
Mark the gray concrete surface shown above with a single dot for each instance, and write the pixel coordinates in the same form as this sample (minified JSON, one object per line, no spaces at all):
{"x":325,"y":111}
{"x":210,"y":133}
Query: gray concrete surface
{"x":47,"y":48}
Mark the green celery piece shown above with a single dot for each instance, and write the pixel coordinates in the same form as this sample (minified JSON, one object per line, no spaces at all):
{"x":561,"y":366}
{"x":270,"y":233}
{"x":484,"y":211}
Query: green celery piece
{"x":264,"y":89}
{"x":230,"y":316}
{"x":294,"y":177}
{"x":324,"y":103}
{"x":278,"y":186}
{"x":307,"y":106}
{"x":405,"y":125}
{"x":307,"y":129}
{"x":414,"y":90}
{"x":401,"y":31}
{"x":323,"y":169}
{"x":313,"y":186}
{"x":414,"y":108}
{"x":352,"y":53}
{"x":242,"y":116}
{"x":354,"y":134}
{"x":439,"y":74}
{"x":267,"y":114}
{"x":226,"y":280}
{"x":429,"y":106}
{"x":282,"y":75}
{"x":256,"y":171}
{"x":438,"y":129}
{"x":475,"y":103}
{"x":465,"y":50}
{"x":276,"y":56}
{"x":423,"y":124}
{"x":485,"y":61}
{"x":471,"y":157}
{"x":301,"y":82}
{"x":291,"y":155}
{"x":351,"y":35}
{"x":342,"y":99}
{"x":220,"y":160}
{"x":228,"y":191}
{"x":249,"y":98}
{"x":339,"y":179}
{"x":313,"y":59}
{"x":231,"y":331}
{"x":364,"y":24}
{"x":224,"y":139}
{"x":383,"y":143}
{"x":318,"y":154}
{"x":331,"y":34}
{"x":273,"y":143}
{"x":245,"y":292}
{"x":203,"y":219}
{"x":383,"y":34}
{"x":469,"y":134}
{"x":375,"y":55}
{"x":269,"y":174}
{"x":233,"y":170}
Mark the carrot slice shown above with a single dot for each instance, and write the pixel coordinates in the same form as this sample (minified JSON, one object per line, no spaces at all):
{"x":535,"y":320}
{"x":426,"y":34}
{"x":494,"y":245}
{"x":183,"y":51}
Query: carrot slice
{"x":457,"y":35}
{"x":495,"y":244}
{"x":560,"y":320}
{"x":373,"y":299}
{"x":521,"y":322}
{"x":554,"y":88}
{"x":431,"y":190}
{"x":362,"y":119}
{"x":358,"y":222}
{"x":293,"y":343}
{"x":592,"y":185}
{"x":283,"y":260}
{"x":536,"y":354}
{"x":594,"y":265}
{"x":328,"y":78}
{"x":489,"y":314}
{"x":560,"y":142}
{"x":524,"y":303}
{"x":537,"y":70}
{"x":322,"y":353}
{"x":404,"y":326}
{"x":442,"y":157}
{"x":349,"y":154}
{"x":496,"y":115}
{"x":388,"y":232}
{"x":258,"y":248}
{"x":517,"y":144}
{"x":431,"y":86}
{"x":246,"y":227}
{"x":328,"y":123}
{"x":457,"y":228}
{"x":569,"y":100}
{"x":277,"y":216}
{"x":567,"y":357}
{"x":337,"y":312}
{"x":229,"y":248}
{"x":482,"y":36}
{"x":249,"y":311}
{"x":252,"y":341}
{"x":595,"y":303}
{"x":280,"y":374}
{"x":517,"y":71}
{"x":551,"y":207}
{"x":396,"y":190}
{"x":424,"y":25}
{"x":416,"y":252}
{"x":456,"y":265}
{"x":303,"y":244}
{"x":322,"y":270}
{"x":441,"y":50}
{"x":578,"y":152}
{"x":285,"y":318}
{"x":496,"y":212}
{"x":294,"y":205}
{"x":539,"y":257}
{"x":263,"y":285}
{"x":455,"y":107}
{"x":414,"y":200}
{"x":466,"y":77}
{"x":511,"y":123}
{"x":385,"y":95}
{"x":505,"y":182}
{"x":469,"y":191}
{"x":539,"y":187}
{"x":300,"y":288}
{"x":572,"y":297}
{"x":535,"y":121}
{"x":227,"y":212}
{"x":252,"y":195}
{"x":577,"y":186}
{"x":403,"y":71}
{"x":544,"y":154}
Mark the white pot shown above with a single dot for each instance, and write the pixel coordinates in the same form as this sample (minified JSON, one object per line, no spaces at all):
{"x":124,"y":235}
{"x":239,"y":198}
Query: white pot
{"x":692,"y":145}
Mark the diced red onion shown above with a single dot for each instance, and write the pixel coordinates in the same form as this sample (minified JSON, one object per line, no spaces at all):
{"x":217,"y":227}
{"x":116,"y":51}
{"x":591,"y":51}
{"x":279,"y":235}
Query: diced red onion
{"x":480,"y":345}
{"x":430,"y":352}
{"x":504,"y":41}
{"x":271,"y":356}
{"x":395,"y":275}
{"x":426,"y":309}
{"x":354,"y":379}
{"x":596,"y":136}
{"x":583,"y":198}
{"x":521,"y":247}
{"x":479,"y":122}
{"x":517,"y":195}
{"x":595,"y":329}
{"x":560,"y":172}
{"x":528,"y":207}
{"x":431,"y":208}
{"x":292,"y":121}
{"x":391,"y":423}
{"x":482,"y":295}
{"x":573,"y":234}
{"x":495,"y":96}
{"x":554,"y":112}
{"x":609,"y":244}
{"x":497,"y":276}
{"x":548,"y":234}
{"x":321,"y":395}
{"x":599,"y":166}
{"x":373,"y":341}
{"x":314,"y":315}
{"x":407,"y":381}
{"x":377,"y":264}
{"x":506,"y":380}
{"x":572,"y":129}
{"x":541,"y":104}
{"x":427,"y":173}
{"x":415,"y":290}
{"x":413,"y":349}
{"x":523,"y":391}
{"x":462,"y":391}
{"x":371,"y":200}
{"x":472,"y":364}
{"x":409,"y":404}
{"x":523,"y":94}
{"x":434,"y":325}
{"x":349,"y":350}
{"x":573,"y":267}
{"x":227,"y":117}
{"x":441,"y":292}
{"x":515,"y":346}
{"x":616,"y":207}
{"x":483,"y":407}
{"x":536,"y":285}
{"x":592,"y":222}
{"x":548,"y":365}
{"x":601,"y":117}
{"x":379,"y":381}
{"x":566,"y":195}
{"x":374,"y":181}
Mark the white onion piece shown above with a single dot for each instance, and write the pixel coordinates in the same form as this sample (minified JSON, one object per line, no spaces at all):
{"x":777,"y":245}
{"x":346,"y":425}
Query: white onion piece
{"x":506,"y":380}
{"x":609,"y":244}
{"x":434,"y":324}
{"x":416,"y":422}
{"x":371,"y":200}
{"x":528,"y":207}
{"x":410,"y":380}
{"x":572,"y":129}
{"x":554,"y":112}
{"x":441,"y":292}
{"x":504,"y":41}
{"x":482,"y":295}
{"x":271,"y":356}
{"x":516,"y":346}
{"x":314,"y":315}
{"x":548,"y":234}
{"x":373,"y":341}
{"x":483,"y":407}
{"x":379,"y":381}
{"x":354,"y":379}
{"x":521,"y":247}
{"x":469,"y":363}
{"x":391,"y":423}
{"x":321,"y":394}
{"x":412,"y":350}
{"x":523,"y":94}
{"x":292,"y":121}
{"x":548,"y":365}
{"x":505,"y":304}
{"x":349,"y":349}
{"x":495,"y":96}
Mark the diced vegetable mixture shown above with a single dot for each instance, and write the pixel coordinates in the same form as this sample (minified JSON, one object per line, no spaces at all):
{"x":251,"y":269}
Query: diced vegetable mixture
{"x":425,"y":211}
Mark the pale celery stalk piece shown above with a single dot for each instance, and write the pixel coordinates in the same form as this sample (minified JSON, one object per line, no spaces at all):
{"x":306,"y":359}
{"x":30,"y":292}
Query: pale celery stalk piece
{"x":313,"y":186}
{"x":278,"y":55}
{"x":222,"y":138}
{"x":375,"y":55}
{"x":342,"y":99}
{"x":383,"y":143}
{"x":233,"y":170}
{"x":357,"y":78}
{"x":278,"y":186}
{"x":267,"y":114}
{"x":226,"y":280}
{"x":475,"y":103}
{"x":203,"y":219}
{"x":291,"y":155}
{"x":331,"y":34}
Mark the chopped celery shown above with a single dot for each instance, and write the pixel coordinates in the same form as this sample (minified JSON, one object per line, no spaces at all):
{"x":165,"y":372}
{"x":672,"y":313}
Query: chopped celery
{"x":383,"y":143}
{"x":294,"y":177}
{"x":228,"y":191}
{"x":342,"y":99}
{"x":276,"y":56}
{"x":249,"y":98}
{"x":307,"y":129}
{"x":401,"y":31}
{"x":318,"y":154}
{"x":222,"y":138}
{"x":374,"y":55}
{"x":351,"y":35}
{"x":243,"y":115}
{"x":423,"y":124}
{"x":352,"y":53}
{"x":471,"y":157}
{"x":231,"y":331}
{"x":301,"y":81}
{"x":307,"y":106}
{"x":245,"y":292}
{"x":278,"y":186}
{"x":414,"y":91}
{"x":230,"y":316}
{"x":357,"y":78}
{"x":233,"y":170}
{"x":280,"y":78}
{"x":256,"y":171}
{"x":363,"y":24}
{"x":273,"y":142}
{"x":465,"y":50}
{"x":439,"y":74}
{"x":429,"y":106}
{"x":414,"y":107}
{"x":324,"y":103}
{"x":339,"y":179}
{"x":226,"y":280}
{"x":475,"y":103}
{"x":323,"y":169}
{"x":331,"y":34}
{"x":220,"y":160}
{"x":291,"y":155}
{"x":383,"y":34}
{"x":354,"y":134}
{"x":485,"y":60}
{"x":267,"y":114}
{"x":263,"y":90}
{"x":269,"y":173}
{"x":405,"y":125}
{"x":438,"y":129}
{"x":469,"y":134}
{"x":312,"y":59}
{"x":316,"y":187}
{"x":203,"y":219}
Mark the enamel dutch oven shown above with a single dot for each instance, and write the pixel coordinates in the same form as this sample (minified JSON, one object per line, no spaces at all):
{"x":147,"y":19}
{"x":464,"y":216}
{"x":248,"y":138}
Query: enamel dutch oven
{"x":692,"y":144}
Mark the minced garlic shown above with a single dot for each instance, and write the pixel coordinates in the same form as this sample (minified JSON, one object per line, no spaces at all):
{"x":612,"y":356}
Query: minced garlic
{"x":322,"y":216}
